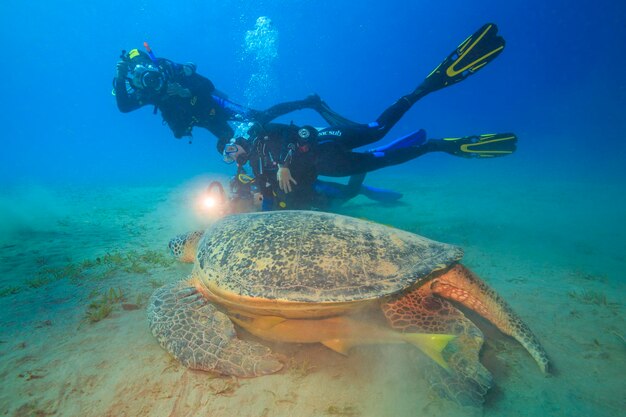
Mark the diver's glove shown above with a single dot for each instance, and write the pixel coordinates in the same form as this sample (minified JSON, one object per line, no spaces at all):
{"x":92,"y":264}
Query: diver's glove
{"x":189,"y":68}
{"x":175,"y":89}
{"x":121,"y":70}
{"x":285,"y":179}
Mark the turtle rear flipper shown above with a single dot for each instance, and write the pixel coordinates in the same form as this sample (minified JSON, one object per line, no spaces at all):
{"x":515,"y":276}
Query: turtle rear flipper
{"x":463,"y":286}
{"x":201,"y":337}
{"x":466,"y":380}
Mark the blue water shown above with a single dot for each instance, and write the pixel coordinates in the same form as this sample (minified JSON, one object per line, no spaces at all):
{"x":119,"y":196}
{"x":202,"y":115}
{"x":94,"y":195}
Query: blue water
{"x":558,"y":84}
{"x":79,"y":179}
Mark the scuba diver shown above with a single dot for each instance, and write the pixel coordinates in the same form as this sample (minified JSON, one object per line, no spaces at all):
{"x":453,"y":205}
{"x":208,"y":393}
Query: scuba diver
{"x":186,"y":98}
{"x":285,"y":156}
{"x":287,"y":159}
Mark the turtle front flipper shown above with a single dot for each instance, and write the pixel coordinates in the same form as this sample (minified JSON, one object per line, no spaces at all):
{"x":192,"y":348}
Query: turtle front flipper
{"x":184,"y":247}
{"x":201,"y":337}
{"x":463,"y":286}
{"x":466,"y":380}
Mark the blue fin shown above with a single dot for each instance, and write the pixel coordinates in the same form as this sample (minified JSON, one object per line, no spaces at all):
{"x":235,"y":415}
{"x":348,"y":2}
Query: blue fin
{"x":412,"y":139}
{"x":330,"y":189}
{"x":379,"y":194}
{"x":355,"y":186}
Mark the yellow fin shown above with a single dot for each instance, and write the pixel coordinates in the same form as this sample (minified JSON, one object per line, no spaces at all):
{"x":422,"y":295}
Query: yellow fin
{"x":431,"y":345}
{"x":342,"y":346}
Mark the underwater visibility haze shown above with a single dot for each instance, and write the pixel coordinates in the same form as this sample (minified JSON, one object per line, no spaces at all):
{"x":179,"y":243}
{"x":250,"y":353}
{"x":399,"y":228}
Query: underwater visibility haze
{"x":90,"y":198}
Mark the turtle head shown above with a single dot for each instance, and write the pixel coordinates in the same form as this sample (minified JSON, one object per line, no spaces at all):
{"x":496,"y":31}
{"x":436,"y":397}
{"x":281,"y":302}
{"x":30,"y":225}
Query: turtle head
{"x":184,"y":247}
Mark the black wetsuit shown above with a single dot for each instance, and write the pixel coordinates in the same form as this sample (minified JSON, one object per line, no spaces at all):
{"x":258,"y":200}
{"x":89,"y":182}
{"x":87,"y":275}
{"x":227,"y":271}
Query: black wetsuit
{"x":327,"y":152}
{"x":353,"y":135}
{"x":334,"y":144}
{"x":204,"y":108}
{"x":272,"y":145}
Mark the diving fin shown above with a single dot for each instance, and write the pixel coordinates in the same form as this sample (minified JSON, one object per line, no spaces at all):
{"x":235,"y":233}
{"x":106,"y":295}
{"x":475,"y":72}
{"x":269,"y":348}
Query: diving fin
{"x":412,"y":139}
{"x":341,"y":193}
{"x":471,"y":55}
{"x":356,"y":186}
{"x":380,"y":194}
{"x":333,"y":118}
{"x":483,"y":146}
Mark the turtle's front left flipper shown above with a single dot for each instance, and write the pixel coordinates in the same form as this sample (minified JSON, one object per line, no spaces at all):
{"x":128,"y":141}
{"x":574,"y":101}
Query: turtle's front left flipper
{"x":201,"y":337}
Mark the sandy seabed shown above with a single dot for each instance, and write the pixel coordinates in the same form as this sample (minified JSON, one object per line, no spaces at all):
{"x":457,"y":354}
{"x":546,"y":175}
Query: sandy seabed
{"x":78,"y":265}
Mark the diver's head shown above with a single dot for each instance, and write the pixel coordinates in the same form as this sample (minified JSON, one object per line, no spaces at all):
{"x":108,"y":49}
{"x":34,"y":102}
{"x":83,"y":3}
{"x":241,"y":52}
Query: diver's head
{"x":137,"y":57}
{"x":144,"y":74}
{"x":236,"y":151}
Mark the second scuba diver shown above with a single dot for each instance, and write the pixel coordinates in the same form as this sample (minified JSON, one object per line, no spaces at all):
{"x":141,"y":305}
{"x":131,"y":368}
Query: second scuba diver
{"x":185,"y":98}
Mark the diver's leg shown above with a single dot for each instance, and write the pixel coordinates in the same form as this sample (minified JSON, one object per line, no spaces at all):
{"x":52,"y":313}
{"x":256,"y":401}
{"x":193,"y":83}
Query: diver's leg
{"x":334,"y":161}
{"x":337,"y":193}
{"x":237,"y":112}
{"x":336,"y":158}
{"x":354,"y":185}
{"x":333,"y":118}
{"x":390,"y":116}
{"x":362,"y":135}
{"x":471,"y":55}
{"x":313,"y":102}
{"x":489,"y":145}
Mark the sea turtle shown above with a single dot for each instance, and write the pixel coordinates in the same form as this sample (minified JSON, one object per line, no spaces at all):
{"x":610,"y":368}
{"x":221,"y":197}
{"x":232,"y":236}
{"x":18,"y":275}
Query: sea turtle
{"x":305,"y":277}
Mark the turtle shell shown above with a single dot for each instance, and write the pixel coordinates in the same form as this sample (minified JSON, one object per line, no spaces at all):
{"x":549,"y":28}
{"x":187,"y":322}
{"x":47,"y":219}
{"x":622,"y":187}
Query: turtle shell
{"x":314,"y":257}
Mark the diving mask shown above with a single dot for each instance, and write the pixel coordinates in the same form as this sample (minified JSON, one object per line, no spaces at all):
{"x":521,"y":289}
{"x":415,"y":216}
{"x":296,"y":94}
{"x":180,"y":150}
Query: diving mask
{"x":236,"y":151}
{"x":231,"y":151}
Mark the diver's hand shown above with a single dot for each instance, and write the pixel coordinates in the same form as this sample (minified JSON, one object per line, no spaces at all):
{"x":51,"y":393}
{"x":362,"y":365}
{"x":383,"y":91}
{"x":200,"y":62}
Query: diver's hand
{"x":285,"y":179}
{"x":121,"y":70}
{"x":175,"y":89}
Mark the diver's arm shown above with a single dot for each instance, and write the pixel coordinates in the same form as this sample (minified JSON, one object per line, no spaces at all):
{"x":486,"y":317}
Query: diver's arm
{"x":198,"y":85}
{"x":180,"y":129}
{"x":223,"y":132}
{"x":186,"y":77}
{"x":288,"y":151}
{"x":204,"y":85}
{"x":283,"y":175}
{"x":125,"y":102}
